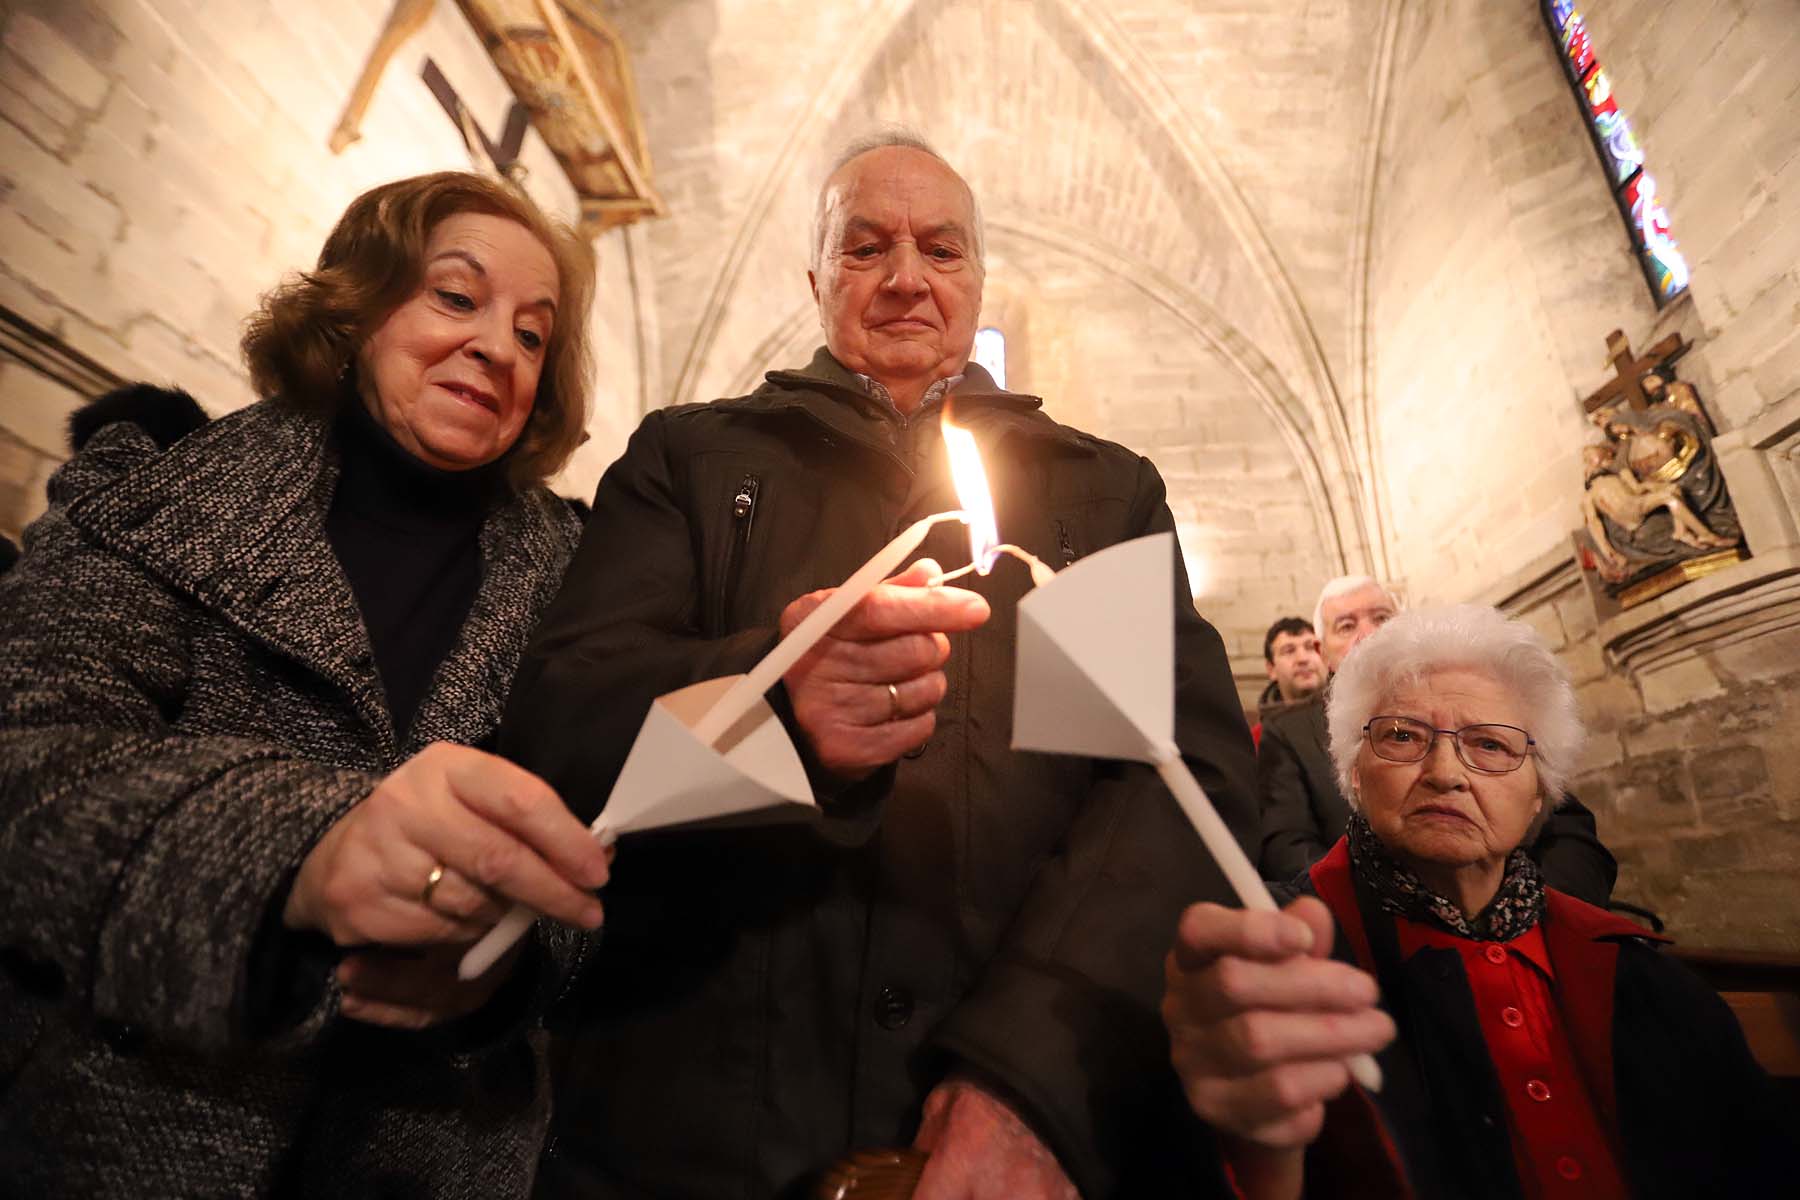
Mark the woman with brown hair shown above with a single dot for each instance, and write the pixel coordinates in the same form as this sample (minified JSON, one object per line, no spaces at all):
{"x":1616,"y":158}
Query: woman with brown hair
{"x":245,"y":830}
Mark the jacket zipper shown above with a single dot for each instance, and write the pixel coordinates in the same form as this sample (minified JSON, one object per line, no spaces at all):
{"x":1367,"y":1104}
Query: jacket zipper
{"x":743,"y":518}
{"x":1065,"y":544}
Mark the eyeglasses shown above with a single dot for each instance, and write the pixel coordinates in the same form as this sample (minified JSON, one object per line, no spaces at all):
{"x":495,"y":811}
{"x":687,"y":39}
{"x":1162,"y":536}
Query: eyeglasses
{"x":1490,"y":749}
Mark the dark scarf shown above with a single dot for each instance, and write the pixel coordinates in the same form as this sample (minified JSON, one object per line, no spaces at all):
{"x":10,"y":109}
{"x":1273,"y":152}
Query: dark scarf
{"x":1515,"y":909}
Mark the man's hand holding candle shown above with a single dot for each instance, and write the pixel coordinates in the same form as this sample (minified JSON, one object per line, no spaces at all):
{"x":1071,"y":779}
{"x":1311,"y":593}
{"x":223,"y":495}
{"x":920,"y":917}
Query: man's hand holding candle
{"x":894,"y":638}
{"x":431,"y":858}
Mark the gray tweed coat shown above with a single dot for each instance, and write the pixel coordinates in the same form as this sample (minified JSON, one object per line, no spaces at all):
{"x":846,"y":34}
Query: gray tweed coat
{"x":187,"y":701}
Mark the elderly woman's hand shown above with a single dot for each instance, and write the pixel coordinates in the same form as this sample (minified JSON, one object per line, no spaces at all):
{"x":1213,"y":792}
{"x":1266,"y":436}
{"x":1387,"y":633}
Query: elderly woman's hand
{"x":415,"y":988}
{"x":433,"y":857}
{"x":869,"y":691}
{"x":1261,"y":1021}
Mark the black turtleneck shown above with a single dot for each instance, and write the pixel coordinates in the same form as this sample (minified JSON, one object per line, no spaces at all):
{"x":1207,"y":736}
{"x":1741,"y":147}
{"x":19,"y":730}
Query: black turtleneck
{"x":408,"y":537}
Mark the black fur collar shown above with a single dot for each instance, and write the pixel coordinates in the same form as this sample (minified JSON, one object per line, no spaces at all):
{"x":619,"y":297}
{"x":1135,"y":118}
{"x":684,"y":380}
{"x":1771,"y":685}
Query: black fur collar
{"x":166,"y":414}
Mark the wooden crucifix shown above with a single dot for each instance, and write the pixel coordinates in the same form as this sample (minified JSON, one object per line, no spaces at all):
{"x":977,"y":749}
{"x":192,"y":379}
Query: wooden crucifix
{"x":503,"y":157}
{"x":1628,"y":370}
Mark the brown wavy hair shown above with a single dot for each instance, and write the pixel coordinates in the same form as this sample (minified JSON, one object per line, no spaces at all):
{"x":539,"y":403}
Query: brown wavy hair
{"x":303,"y":338}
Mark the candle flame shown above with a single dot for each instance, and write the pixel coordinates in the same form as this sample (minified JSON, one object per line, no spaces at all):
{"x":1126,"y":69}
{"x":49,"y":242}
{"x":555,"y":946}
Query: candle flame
{"x":972,"y":492}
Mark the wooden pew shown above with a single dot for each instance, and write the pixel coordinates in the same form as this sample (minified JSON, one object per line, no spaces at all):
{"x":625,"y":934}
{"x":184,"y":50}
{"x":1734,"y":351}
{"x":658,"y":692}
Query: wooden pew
{"x":1764,"y":991}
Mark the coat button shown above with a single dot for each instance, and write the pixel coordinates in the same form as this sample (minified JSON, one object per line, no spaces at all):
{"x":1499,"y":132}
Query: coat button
{"x":893,"y":1007}
{"x":1568,"y":1168}
{"x":1496,"y":954}
{"x":1537,"y":1089}
{"x":1512,"y":1017}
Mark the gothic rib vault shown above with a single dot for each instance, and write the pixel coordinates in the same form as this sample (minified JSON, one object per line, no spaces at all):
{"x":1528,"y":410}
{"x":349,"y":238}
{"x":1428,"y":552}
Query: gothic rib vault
{"x":1172,"y":157}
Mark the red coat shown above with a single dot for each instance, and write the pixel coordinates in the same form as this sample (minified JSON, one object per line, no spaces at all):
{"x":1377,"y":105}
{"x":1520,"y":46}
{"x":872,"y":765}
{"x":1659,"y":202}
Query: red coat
{"x":1690,"y":1111}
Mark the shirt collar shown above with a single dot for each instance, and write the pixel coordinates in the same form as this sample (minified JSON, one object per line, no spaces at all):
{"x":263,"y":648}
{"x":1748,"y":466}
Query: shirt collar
{"x":1414,"y":936}
{"x":934,"y":394}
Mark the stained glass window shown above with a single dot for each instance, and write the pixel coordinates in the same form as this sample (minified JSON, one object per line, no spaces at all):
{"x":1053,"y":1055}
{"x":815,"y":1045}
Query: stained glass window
{"x":990,"y":352}
{"x":1632,"y":185}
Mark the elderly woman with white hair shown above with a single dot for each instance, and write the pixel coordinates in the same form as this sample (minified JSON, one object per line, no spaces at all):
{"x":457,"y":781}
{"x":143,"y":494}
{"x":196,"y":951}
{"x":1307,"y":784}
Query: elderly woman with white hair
{"x":1531,"y":1045}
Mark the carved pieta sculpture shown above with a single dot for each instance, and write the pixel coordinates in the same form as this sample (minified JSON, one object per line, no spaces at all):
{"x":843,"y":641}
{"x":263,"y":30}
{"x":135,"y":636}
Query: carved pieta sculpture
{"x":1655,"y":510}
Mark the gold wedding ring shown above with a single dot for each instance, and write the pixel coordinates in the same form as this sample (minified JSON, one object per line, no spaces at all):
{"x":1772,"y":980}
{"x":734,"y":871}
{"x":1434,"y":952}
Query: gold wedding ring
{"x":893,"y":702}
{"x":431,"y":881}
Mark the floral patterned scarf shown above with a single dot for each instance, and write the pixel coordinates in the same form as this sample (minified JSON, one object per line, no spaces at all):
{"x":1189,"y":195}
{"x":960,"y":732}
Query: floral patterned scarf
{"x":1514,"y":910}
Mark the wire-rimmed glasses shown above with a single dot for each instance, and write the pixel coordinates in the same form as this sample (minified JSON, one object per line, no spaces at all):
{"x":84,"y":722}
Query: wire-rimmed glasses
{"x":1489,"y":748}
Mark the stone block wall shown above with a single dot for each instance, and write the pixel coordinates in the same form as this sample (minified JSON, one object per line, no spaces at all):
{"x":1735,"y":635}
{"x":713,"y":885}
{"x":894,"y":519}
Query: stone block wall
{"x":1499,"y":263}
{"x":164,"y":162}
{"x":1690,"y":771}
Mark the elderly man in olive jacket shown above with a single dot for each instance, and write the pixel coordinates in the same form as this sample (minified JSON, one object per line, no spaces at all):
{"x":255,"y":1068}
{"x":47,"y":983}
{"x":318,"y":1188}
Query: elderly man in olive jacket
{"x":965,"y":953}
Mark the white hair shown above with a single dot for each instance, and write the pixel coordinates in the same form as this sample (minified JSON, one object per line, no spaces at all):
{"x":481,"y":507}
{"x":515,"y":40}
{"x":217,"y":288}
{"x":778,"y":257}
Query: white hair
{"x":879,"y":139}
{"x":1470,"y":637}
{"x":1343,"y":585}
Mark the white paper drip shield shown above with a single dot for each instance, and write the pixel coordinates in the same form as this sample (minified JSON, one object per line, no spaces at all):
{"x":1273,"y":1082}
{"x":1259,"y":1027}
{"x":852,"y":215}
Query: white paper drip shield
{"x":751,"y":774}
{"x":1096,"y":663}
{"x":1096,"y":676}
{"x":673,"y":778}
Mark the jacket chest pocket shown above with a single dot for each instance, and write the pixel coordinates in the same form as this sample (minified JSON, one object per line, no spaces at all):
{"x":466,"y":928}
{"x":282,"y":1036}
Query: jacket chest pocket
{"x":1080,"y":526}
{"x":739,"y":522}
{"x":1063,"y":531}
{"x":729,"y":501}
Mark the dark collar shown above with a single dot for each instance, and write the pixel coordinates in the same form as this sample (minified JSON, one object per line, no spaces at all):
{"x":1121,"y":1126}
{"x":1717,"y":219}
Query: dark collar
{"x":379,"y":479}
{"x":827,"y":390}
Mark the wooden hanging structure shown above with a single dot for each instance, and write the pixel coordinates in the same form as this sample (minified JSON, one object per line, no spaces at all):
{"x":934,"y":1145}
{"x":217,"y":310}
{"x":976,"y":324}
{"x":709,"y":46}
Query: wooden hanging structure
{"x":568,"y":66}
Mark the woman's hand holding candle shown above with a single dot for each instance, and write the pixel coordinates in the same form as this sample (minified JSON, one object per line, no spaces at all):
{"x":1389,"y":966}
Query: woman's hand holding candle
{"x":431,"y":857}
{"x":895,"y":637}
{"x":1264,"y":1028}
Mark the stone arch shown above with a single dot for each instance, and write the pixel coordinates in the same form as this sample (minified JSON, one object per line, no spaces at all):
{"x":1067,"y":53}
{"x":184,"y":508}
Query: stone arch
{"x":1160,"y":186}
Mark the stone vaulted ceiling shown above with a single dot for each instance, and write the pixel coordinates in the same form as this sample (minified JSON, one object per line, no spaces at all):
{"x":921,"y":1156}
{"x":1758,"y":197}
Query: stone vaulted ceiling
{"x":1174,"y":192}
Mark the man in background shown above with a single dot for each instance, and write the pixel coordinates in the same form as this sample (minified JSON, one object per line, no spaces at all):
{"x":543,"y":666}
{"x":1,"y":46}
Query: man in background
{"x":1296,"y":671}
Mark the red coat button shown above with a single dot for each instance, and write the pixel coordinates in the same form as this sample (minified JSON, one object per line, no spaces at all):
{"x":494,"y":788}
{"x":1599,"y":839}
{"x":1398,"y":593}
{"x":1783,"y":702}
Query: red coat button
{"x":1496,"y":954}
{"x":1537,"y":1089}
{"x":1512,"y":1017}
{"x":1568,"y":1168}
